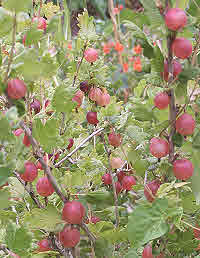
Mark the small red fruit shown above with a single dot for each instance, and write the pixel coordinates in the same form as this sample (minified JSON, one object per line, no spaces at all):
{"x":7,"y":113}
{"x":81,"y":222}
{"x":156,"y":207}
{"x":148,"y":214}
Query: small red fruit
{"x":69,"y":237}
{"x":2,"y":186}
{"x":125,"y":67}
{"x":95,"y":93}
{"x":185,"y":124}
{"x":116,"y":163}
{"x":114,"y":139}
{"x":39,"y":165}
{"x":147,"y":251}
{"x":159,"y":147}
{"x":161,"y":100}
{"x":92,"y":118}
{"x":30,"y":173}
{"x":119,"y":47}
{"x":26,"y":141}
{"x":43,"y":245}
{"x":177,"y":68}
{"x":94,"y":219}
{"x":107,"y":179}
{"x":182,"y":48}
{"x":103,"y":99}
{"x":151,"y":189}
{"x":118,"y":187}
{"x":44,"y":187}
{"x":16,"y":89}
{"x":128,"y":182}
{"x":41,"y":22}
{"x":18,"y":132}
{"x":36,"y":106}
{"x":196,"y":232}
{"x":183,"y":169}
{"x":175,"y":19}
{"x":121,"y":175}
{"x":84,"y":86}
{"x":71,"y":143}
{"x":73,"y":212}
{"x":91,"y":55}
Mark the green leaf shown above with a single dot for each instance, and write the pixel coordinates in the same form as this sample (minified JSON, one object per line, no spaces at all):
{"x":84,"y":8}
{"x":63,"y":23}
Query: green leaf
{"x":141,"y":166}
{"x":158,"y":61}
{"x":46,"y":219}
{"x":196,"y":141}
{"x":33,"y":35}
{"x":4,"y":199}
{"x":142,"y":113}
{"x":46,"y":134}
{"x":18,"y":239}
{"x":136,"y":133}
{"x":5,"y":172}
{"x":5,"y":129}
{"x":196,"y":176}
{"x":99,"y":197}
{"x":87,"y":28}
{"x":6,"y":22}
{"x":147,"y":222}
{"x":17,"y":6}
{"x":62,"y":99}
{"x":131,"y":253}
{"x":135,"y":17}
{"x":152,"y":13}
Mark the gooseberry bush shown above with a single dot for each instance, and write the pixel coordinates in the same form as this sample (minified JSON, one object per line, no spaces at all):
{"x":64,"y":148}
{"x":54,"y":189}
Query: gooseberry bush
{"x":99,"y":130}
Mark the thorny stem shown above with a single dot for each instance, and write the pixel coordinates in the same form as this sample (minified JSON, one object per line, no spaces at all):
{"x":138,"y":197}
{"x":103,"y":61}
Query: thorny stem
{"x":116,"y":33}
{"x":172,"y":107}
{"x":29,"y":191}
{"x":78,"y":147}
{"x":113,"y":182}
{"x":194,"y":57}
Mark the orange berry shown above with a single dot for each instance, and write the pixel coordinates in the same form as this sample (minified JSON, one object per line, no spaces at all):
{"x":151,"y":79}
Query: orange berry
{"x":106,"y":49}
{"x":121,"y":7}
{"x":137,"y":49}
{"x":137,"y":67}
{"x":116,"y":11}
{"x":119,"y":47}
{"x":125,"y":67}
{"x":69,"y":46}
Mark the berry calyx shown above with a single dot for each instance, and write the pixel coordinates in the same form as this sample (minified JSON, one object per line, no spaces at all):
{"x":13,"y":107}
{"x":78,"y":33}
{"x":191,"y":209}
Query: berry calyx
{"x":118,"y":187}
{"x":182,"y":48}
{"x":84,"y":86}
{"x":151,"y":189}
{"x":177,"y":68}
{"x":147,"y":251}
{"x":43,"y":245}
{"x":107,"y":179}
{"x":183,"y":169}
{"x":92,"y":118}
{"x":36,"y":106}
{"x":185,"y":124}
{"x":91,"y":55}
{"x":16,"y":89}
{"x":69,"y":237}
{"x":73,"y":212}
{"x":161,"y":100}
{"x":95,"y":219}
{"x":116,"y":163}
{"x":30,"y":173}
{"x":41,"y":22}
{"x":114,"y":139}
{"x":175,"y":19}
{"x":44,"y":187}
{"x":121,"y":175}
{"x":159,"y":147}
{"x":128,"y":182}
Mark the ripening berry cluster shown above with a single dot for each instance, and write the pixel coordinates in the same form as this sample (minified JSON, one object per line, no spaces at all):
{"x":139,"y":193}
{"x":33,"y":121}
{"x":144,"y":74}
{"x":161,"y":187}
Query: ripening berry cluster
{"x":175,"y":20}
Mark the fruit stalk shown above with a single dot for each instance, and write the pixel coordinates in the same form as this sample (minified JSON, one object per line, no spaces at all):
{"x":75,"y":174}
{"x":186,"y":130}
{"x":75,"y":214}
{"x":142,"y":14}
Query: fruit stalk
{"x":29,"y":191}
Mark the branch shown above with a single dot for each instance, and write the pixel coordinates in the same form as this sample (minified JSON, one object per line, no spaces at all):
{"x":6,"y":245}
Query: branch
{"x":194,"y":57}
{"x":113,"y":182}
{"x":117,"y":38}
{"x":79,"y":65}
{"x":172,"y":107}
{"x":43,"y":163}
{"x":90,"y":235}
{"x":29,"y":191}
{"x":12,"y":49}
{"x":78,"y":147}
